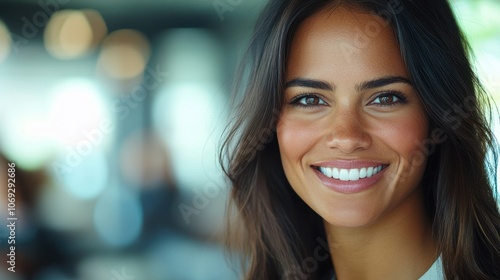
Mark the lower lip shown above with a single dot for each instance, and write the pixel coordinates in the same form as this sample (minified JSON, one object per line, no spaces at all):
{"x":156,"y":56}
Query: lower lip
{"x":349,"y":187}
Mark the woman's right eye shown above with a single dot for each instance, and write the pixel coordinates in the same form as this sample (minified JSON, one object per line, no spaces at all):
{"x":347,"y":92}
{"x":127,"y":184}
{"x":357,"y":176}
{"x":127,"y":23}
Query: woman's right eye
{"x":308,"y":101}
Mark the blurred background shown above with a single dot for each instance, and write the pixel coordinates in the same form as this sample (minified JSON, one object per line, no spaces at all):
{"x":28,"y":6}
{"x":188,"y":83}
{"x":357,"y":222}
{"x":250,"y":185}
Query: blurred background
{"x":112,"y":112}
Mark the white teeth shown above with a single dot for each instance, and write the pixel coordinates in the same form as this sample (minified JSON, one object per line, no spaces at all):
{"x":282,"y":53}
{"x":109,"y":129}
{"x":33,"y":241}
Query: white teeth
{"x":344,"y":175}
{"x":327,"y":171}
{"x":362,"y":173}
{"x":336,"y":173}
{"x":353,"y":174}
{"x":369,"y":172}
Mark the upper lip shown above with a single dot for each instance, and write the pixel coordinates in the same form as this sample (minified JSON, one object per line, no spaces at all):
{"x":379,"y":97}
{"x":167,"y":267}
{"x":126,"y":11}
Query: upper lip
{"x":349,"y":164}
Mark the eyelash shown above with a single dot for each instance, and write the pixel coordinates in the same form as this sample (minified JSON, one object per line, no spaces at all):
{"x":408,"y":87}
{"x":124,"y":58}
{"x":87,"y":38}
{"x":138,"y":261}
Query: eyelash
{"x":296,"y":100}
{"x":402,"y":99}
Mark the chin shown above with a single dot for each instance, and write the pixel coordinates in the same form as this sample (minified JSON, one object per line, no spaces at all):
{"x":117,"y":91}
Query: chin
{"x":350,"y":219}
{"x":349,"y":216}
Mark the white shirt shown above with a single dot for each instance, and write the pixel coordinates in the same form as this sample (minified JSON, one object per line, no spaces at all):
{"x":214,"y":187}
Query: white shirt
{"x":434,"y":273}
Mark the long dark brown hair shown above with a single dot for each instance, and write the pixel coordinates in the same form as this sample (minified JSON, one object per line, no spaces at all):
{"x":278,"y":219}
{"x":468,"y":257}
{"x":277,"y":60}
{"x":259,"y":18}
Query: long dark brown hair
{"x":277,"y":234}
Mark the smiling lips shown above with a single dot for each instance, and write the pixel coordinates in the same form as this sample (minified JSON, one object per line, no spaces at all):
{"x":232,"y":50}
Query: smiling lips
{"x":352,"y":174}
{"x":349,"y":176}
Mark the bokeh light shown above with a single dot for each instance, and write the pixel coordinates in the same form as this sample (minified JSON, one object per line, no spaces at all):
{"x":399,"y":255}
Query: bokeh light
{"x":187,"y":110}
{"x":79,"y":113}
{"x":88,"y":179}
{"x":118,"y":217}
{"x":73,"y":33}
{"x":73,"y":113}
{"x":144,"y":160}
{"x":187,"y":115}
{"x":124,"y":54}
{"x":24,"y":135}
{"x":98,"y":25}
{"x":5,"y":42}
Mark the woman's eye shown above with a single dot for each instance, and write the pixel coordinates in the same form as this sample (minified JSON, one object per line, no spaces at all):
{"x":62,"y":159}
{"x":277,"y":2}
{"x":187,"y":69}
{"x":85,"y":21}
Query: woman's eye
{"x":308,"y":100}
{"x":389,"y":99}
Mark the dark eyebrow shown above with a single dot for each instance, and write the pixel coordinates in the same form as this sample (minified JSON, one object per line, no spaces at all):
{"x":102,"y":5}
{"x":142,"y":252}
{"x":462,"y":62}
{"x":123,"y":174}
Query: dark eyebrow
{"x":376,"y":83}
{"x":300,"y":82}
{"x":384,"y":81}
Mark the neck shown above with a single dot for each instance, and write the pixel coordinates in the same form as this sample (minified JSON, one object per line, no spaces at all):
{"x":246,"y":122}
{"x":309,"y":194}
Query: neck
{"x":399,"y":246}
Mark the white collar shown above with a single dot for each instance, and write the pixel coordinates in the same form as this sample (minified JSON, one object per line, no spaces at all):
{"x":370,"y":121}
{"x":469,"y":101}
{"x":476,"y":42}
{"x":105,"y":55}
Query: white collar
{"x":434,"y":273}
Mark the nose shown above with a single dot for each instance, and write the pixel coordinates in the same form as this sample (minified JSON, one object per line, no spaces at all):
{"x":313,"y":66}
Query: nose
{"x":347,"y":131}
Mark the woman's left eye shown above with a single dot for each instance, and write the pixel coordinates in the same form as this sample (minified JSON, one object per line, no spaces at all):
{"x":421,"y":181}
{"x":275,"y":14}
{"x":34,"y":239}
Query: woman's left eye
{"x":389,"y":99}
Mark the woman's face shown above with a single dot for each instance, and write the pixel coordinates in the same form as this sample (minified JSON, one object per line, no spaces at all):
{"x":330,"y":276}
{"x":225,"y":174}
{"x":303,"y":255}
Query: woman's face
{"x":352,"y":127}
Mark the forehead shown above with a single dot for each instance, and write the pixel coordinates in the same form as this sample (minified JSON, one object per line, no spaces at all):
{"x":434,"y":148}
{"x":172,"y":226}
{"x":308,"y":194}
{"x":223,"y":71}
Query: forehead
{"x":344,"y":41}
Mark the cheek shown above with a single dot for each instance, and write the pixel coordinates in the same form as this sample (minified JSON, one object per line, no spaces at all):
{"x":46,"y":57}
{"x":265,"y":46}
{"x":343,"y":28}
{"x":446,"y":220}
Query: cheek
{"x":410,"y":132}
{"x":295,"y":139}
{"x":408,"y":137}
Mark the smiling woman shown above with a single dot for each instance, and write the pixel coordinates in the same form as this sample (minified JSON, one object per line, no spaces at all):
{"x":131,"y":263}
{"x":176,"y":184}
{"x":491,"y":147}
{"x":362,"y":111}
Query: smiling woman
{"x":377,"y":150}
